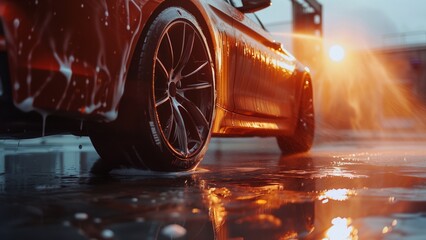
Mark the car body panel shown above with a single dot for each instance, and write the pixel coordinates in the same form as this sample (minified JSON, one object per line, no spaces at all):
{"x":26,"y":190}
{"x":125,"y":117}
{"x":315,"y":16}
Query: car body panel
{"x":263,"y":86}
{"x":222,"y":33}
{"x":72,"y":58}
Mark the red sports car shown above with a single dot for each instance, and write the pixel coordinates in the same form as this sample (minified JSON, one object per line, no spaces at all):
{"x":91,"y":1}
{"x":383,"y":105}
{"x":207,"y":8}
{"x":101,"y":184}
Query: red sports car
{"x":150,"y":81}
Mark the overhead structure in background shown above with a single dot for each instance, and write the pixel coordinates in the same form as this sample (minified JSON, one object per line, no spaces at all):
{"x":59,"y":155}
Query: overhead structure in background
{"x":307,"y":32}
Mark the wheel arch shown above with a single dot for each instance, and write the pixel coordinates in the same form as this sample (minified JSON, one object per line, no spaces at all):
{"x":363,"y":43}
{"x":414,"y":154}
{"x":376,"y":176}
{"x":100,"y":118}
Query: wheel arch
{"x":197,"y":9}
{"x":200,"y":16}
{"x":194,"y":9}
{"x":301,"y":74}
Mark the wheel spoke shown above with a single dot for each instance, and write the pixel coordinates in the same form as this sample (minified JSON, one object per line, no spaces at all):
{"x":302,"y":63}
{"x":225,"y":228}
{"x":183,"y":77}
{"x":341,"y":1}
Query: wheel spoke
{"x":163,"y":68}
{"x":187,"y":46}
{"x":169,"y":124}
{"x":196,"y":70}
{"x":180,"y":129}
{"x":196,"y":143}
{"x":183,"y":43}
{"x":171,"y":48}
{"x":198,"y":116}
{"x":196,"y":86}
{"x":194,"y":127}
{"x":162,"y":101}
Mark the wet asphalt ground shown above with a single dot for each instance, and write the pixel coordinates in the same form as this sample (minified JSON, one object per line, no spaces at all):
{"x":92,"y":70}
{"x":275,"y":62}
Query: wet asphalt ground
{"x":345,"y":188}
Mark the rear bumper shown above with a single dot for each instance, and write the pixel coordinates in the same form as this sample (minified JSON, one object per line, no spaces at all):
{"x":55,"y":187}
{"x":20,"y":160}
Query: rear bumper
{"x":15,"y":124}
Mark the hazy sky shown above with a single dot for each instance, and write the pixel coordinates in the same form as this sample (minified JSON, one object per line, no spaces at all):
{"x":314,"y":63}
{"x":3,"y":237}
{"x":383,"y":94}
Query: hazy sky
{"x":360,"y":22}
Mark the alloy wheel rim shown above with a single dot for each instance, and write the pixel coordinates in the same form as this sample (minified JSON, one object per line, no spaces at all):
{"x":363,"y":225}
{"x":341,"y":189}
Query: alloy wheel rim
{"x":183,"y":89}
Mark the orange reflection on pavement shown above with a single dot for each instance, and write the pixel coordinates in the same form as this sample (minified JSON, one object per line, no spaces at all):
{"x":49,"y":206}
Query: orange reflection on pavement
{"x":216,"y":207}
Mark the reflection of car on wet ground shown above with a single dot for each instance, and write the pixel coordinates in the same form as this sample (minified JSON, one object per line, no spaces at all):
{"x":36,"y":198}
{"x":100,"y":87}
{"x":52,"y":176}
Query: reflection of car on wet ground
{"x":149,"y":81}
{"x":222,"y":203}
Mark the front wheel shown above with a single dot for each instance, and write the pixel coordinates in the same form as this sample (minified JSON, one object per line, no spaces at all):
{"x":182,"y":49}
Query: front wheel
{"x":166,"y":113}
{"x":302,"y":139}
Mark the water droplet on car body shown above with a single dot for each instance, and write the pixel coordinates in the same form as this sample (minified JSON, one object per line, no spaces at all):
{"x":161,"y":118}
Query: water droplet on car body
{"x":16,"y":23}
{"x":81,"y":216}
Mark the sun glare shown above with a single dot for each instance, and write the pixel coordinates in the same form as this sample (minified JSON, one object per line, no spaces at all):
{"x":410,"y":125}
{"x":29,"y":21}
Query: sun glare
{"x":336,"y":53}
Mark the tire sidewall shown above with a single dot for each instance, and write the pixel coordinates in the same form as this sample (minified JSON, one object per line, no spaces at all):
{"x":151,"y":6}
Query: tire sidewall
{"x":302,"y":138}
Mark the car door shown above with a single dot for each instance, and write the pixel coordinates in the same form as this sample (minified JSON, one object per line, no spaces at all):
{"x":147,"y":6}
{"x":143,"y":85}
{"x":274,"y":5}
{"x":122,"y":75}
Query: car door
{"x":263,"y":85}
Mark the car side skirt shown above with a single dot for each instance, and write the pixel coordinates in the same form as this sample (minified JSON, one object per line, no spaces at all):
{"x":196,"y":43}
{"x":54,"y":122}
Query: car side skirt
{"x":230,"y":124}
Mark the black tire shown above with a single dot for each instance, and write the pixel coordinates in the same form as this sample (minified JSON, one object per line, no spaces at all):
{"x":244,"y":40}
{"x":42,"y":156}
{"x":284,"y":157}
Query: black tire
{"x":302,"y":139}
{"x":166,"y":114}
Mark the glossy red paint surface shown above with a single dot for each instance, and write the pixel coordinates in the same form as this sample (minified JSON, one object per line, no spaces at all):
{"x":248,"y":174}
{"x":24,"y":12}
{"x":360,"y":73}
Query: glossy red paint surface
{"x":73,"y":58}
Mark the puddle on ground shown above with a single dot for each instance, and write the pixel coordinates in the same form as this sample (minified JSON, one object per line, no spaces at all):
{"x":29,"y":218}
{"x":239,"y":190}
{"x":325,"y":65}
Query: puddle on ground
{"x":327,"y":194}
